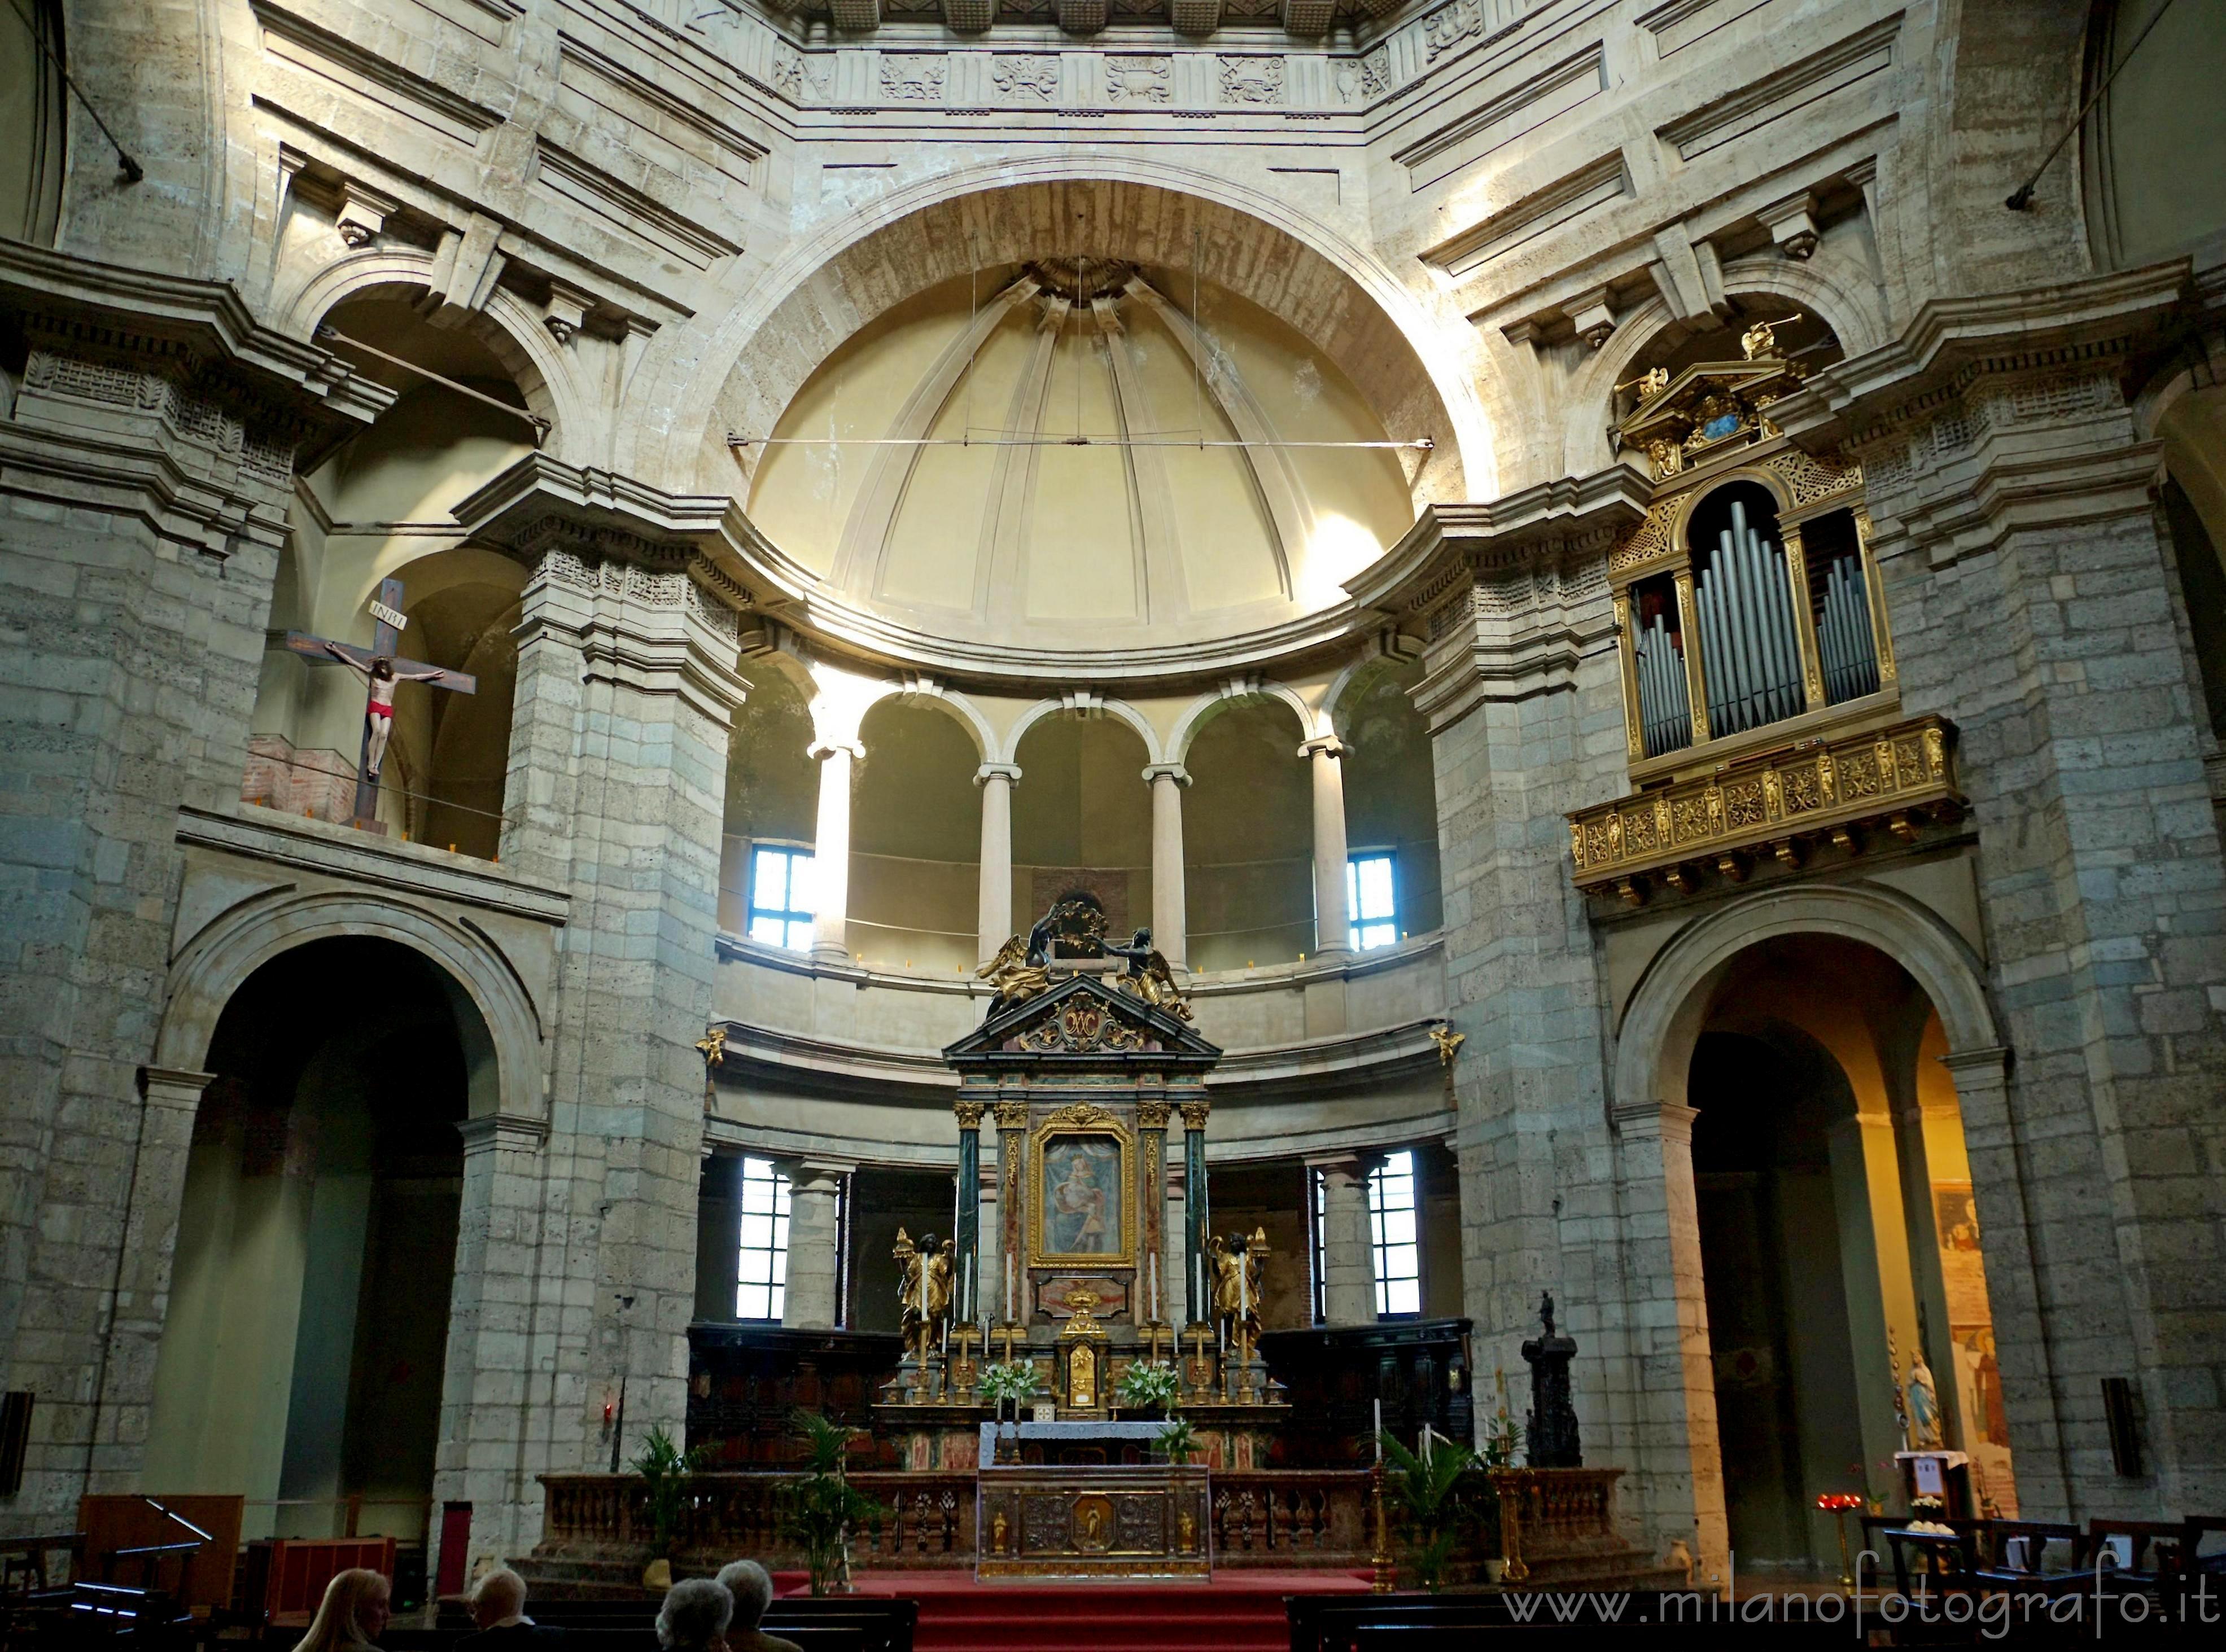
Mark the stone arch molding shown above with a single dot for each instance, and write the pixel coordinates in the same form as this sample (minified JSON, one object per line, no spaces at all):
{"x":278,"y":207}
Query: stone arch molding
{"x":217,"y":962}
{"x":1120,"y":710}
{"x":1411,"y":355}
{"x":1313,"y":724}
{"x":1661,"y":1022}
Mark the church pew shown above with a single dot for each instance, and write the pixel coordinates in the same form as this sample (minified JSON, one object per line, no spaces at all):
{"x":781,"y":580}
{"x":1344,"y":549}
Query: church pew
{"x":1458,"y":1623}
{"x":812,"y":1637}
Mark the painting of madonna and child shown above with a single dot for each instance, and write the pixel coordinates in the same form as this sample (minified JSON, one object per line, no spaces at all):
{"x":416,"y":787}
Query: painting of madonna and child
{"x":1081,"y":1204}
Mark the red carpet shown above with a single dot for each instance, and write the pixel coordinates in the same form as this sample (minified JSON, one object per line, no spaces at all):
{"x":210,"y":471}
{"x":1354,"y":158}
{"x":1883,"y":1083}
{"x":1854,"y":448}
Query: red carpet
{"x":1238,"y":1611}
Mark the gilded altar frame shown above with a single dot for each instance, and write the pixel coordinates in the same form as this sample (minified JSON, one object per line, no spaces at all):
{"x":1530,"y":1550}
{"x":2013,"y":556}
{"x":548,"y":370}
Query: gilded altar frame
{"x":1082,"y":1122}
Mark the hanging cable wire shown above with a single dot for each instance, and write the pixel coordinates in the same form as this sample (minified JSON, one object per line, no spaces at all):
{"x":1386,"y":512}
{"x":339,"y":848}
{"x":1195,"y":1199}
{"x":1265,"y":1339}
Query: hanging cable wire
{"x":2021,"y":197}
{"x":131,"y":170}
{"x":1417,"y":444}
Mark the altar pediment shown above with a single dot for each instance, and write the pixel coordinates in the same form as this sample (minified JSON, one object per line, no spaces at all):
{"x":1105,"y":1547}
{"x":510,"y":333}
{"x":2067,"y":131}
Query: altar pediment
{"x":1087,"y":1017}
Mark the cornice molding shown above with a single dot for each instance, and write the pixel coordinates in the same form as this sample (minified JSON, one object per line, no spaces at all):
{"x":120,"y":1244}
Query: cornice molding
{"x":1952,"y":343}
{"x":187,"y":327}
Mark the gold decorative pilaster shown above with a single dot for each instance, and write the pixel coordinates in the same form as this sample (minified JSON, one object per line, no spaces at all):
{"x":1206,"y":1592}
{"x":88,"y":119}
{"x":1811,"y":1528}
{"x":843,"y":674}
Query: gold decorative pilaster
{"x":1626,"y":650}
{"x":1804,"y":620}
{"x":1688,"y":624}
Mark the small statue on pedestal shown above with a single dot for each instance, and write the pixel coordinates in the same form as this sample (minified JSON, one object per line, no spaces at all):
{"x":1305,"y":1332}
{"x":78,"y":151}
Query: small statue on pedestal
{"x":1925,"y":1433}
{"x":1553,"y":1427}
{"x":1236,"y":1264}
{"x":923,"y":1286}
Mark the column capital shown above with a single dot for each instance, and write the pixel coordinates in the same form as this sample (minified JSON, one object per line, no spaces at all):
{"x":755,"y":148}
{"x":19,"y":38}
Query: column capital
{"x":1012,"y":1116}
{"x":820,"y":750}
{"x":1195,"y":1114}
{"x":503,"y":1132}
{"x":1174,"y":771}
{"x":1356,"y":1162}
{"x":1151,"y":1115}
{"x":1662,"y":1121}
{"x":1009,"y":772}
{"x":1989,"y":1064}
{"x":1323,"y":745}
{"x":968,"y":1111}
{"x":173,"y":1086}
{"x":814,"y":1171}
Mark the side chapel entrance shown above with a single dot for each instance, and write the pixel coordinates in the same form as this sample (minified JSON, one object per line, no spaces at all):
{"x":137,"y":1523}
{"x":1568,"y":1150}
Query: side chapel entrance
{"x":1839,"y":1241}
{"x":301,"y":1357}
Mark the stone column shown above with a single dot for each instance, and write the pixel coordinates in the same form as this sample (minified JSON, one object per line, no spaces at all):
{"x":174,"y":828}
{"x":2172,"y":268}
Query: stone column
{"x":1348,"y":1266}
{"x":627,"y":691}
{"x":830,"y":851}
{"x":1332,"y":921}
{"x":1170,"y":910}
{"x":966,"y":1248}
{"x":1198,"y":1217}
{"x":993,"y":925}
{"x":718,"y":1236}
{"x":1875,"y":1278}
{"x":813,"y":1300}
{"x":491,"y":1383}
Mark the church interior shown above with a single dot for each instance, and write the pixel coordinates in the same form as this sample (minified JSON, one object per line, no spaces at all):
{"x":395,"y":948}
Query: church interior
{"x":1261,"y":810}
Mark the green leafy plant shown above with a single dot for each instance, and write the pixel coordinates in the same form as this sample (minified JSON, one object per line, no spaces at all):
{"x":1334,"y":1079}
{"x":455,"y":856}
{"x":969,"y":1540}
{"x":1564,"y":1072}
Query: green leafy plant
{"x":1147,"y":1385}
{"x":821,"y":1506}
{"x":1178,"y":1440}
{"x":667,"y":1470}
{"x":1431,"y":1511}
{"x":1013,"y":1380}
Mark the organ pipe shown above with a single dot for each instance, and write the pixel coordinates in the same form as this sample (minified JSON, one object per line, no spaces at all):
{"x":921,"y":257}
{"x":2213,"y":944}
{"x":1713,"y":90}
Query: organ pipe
{"x":1750,"y":649}
{"x":1664,"y":712}
{"x":1845,"y":642}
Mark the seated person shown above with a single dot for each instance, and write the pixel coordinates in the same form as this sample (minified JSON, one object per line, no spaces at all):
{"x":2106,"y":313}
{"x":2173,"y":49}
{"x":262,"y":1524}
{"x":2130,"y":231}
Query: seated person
{"x":745,"y":1580}
{"x":695,"y":1616}
{"x":352,"y":1615}
{"x":498,"y":1607}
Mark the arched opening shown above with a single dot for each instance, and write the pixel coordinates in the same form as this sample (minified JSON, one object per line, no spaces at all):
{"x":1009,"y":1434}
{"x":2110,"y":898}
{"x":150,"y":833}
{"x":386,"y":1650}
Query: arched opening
{"x":1390,"y":802}
{"x":2192,"y":502}
{"x":915,"y":840}
{"x":34,"y":121}
{"x":379,"y":508}
{"x":1082,"y":820}
{"x":1248,"y":840}
{"x":773,"y":800}
{"x":302,"y":1353}
{"x":1838,"y":1244}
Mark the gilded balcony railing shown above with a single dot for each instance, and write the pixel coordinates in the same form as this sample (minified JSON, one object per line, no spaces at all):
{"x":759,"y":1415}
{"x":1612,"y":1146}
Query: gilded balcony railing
{"x":1837,"y":790}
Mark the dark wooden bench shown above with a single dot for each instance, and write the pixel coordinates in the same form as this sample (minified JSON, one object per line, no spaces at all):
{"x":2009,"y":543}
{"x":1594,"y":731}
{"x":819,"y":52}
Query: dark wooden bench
{"x":829,"y":1623}
{"x":1647,"y":1617}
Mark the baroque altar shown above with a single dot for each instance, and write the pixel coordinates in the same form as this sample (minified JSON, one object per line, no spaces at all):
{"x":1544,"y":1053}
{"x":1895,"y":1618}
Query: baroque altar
{"x":1085,"y":1063}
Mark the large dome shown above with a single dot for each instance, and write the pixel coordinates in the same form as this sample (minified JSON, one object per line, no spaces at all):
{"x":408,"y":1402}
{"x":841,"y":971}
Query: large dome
{"x":928,"y":469}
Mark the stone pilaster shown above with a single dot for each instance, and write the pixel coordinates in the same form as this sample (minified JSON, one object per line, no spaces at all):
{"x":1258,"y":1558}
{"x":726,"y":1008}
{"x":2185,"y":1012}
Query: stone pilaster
{"x":1170,"y":910}
{"x":494,"y":1399}
{"x":1332,"y":919}
{"x":145,"y":466}
{"x":1198,"y":1215}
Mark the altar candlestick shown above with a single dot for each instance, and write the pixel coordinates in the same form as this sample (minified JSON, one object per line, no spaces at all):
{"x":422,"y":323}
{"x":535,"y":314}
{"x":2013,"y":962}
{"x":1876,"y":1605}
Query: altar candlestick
{"x":1009,"y":1291}
{"x":1378,"y":1435}
{"x":966,"y":1295}
{"x":1155,"y":1288}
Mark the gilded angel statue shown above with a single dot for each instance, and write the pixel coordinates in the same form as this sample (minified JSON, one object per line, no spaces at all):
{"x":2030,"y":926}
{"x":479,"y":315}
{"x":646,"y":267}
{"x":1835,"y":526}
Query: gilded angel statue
{"x":1149,"y":976}
{"x":1015,"y":976}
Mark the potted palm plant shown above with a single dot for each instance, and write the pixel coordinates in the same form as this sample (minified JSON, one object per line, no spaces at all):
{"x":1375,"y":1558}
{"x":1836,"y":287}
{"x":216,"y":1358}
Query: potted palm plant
{"x":1432,"y":1513}
{"x":821,"y":1506}
{"x":667,"y":1471}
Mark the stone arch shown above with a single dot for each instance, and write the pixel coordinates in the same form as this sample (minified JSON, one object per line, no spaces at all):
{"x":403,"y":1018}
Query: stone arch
{"x":1119,"y":710}
{"x":508,"y":326}
{"x":962,"y":711}
{"x":502,"y":1035}
{"x":1828,"y":293}
{"x":1313,"y":724}
{"x":1412,"y":360}
{"x":1659,"y":1023}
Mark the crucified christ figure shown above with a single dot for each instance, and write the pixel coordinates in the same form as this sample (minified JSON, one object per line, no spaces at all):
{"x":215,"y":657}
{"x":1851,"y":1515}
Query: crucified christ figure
{"x":379,"y":677}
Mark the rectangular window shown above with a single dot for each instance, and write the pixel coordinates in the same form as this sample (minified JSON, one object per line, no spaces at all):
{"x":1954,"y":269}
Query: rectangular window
{"x":780,"y":897}
{"x":764,"y":1269}
{"x":1395,"y":1250}
{"x":1370,"y":895}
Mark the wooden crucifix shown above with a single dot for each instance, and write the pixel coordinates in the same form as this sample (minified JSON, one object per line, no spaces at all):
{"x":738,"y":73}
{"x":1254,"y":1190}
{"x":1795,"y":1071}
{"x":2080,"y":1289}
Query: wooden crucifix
{"x":380,"y":667}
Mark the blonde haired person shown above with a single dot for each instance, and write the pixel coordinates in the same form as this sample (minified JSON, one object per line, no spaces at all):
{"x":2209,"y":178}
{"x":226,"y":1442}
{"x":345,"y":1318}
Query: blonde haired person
{"x":352,"y":1617}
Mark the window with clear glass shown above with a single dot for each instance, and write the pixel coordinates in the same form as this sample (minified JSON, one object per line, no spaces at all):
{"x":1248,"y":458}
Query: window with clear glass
{"x":780,"y":897}
{"x":1395,"y":1250}
{"x":763,"y":1273}
{"x":1372,"y":886}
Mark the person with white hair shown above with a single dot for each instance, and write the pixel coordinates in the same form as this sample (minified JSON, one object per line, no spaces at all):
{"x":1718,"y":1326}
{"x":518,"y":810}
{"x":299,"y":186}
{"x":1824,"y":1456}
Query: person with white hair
{"x":747,"y":1582}
{"x":497,"y":1604}
{"x":695,"y":1616}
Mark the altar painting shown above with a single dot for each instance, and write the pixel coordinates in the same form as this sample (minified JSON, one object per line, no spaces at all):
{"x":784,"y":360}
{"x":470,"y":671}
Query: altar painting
{"x":1081,"y":1203}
